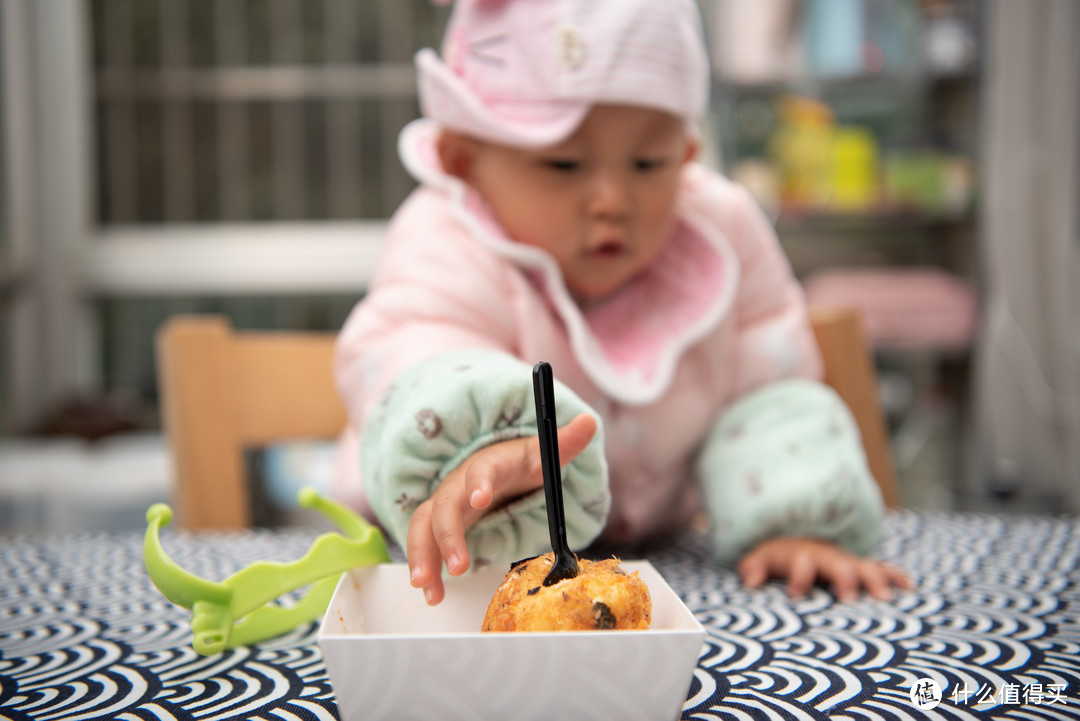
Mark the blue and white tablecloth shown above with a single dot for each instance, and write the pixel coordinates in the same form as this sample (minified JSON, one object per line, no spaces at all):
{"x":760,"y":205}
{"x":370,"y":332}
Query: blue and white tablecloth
{"x":992,"y":631}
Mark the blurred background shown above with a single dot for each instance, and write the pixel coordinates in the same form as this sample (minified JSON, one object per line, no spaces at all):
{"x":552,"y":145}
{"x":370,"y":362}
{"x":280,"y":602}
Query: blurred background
{"x":919,"y":158}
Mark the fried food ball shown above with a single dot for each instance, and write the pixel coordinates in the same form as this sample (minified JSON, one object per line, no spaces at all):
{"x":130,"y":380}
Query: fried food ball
{"x":601,"y":596}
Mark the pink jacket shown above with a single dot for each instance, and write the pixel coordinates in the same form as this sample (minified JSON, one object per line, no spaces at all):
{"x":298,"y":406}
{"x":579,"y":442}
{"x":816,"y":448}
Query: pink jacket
{"x":718,"y":316}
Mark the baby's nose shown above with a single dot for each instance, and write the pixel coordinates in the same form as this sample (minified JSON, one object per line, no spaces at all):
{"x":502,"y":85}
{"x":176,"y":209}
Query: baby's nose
{"x":610,"y":195}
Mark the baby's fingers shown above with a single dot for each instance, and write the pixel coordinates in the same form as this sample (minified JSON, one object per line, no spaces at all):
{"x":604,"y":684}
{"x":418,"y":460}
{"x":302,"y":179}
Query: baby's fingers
{"x":448,"y":527}
{"x":846,"y":576}
{"x":508,"y":470}
{"x":897,"y":577}
{"x":880,"y":579}
{"x":753,"y":570}
{"x":876,"y":581}
{"x":491,"y":476}
{"x":575,"y":437}
{"x":425,"y":563}
{"x":802,"y":574}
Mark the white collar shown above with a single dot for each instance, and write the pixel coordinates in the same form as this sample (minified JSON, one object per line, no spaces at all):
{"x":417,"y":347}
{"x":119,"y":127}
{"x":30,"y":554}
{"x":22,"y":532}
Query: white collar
{"x":629,"y":344}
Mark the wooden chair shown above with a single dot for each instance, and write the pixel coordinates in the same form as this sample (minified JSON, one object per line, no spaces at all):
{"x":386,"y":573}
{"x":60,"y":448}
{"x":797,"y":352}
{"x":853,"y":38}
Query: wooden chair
{"x":224,"y":392}
{"x":849,"y":369}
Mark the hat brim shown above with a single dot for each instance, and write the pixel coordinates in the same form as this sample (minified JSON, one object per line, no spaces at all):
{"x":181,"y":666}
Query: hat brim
{"x":447,"y":99}
{"x":418,"y":150}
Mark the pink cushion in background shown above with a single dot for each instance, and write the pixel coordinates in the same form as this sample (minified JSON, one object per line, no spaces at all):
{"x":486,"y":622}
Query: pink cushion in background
{"x":903,"y":308}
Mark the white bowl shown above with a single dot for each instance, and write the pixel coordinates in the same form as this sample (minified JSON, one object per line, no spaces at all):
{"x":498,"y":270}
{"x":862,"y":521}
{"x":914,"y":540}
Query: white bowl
{"x":391,"y":656}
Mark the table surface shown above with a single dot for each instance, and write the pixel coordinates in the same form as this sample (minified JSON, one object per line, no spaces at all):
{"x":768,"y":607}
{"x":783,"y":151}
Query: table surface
{"x":995,"y":621}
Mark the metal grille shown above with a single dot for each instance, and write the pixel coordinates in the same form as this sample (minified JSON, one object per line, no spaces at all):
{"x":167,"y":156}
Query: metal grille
{"x":6,"y":278}
{"x":10,"y":257}
{"x":240,"y":110}
{"x":244,"y":111}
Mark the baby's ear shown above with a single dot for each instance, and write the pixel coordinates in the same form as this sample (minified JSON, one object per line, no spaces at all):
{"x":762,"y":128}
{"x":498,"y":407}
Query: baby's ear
{"x":456,"y":153}
{"x":693,"y":146}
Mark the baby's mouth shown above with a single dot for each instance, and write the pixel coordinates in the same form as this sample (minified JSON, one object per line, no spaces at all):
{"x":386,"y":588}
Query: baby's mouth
{"x":608,"y":250}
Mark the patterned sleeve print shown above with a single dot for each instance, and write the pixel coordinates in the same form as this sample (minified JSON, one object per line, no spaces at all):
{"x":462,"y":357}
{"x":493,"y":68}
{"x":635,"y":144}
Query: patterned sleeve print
{"x":441,"y":411}
{"x":788,"y":460}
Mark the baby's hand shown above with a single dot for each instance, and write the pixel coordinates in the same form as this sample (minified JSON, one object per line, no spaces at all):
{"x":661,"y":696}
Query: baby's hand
{"x":802,"y":561}
{"x":486,"y":481}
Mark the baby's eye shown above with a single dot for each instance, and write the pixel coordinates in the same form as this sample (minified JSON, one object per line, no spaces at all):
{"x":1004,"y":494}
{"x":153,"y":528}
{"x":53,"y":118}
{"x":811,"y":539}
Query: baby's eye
{"x":562,"y":165}
{"x":649,"y":163}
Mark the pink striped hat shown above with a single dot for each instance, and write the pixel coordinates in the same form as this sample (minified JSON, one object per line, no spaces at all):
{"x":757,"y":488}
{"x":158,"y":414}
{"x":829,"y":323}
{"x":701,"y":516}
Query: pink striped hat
{"x":525,"y":72}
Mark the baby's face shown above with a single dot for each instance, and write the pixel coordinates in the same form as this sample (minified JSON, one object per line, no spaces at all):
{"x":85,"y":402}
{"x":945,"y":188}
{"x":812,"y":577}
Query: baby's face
{"x":602,"y":202}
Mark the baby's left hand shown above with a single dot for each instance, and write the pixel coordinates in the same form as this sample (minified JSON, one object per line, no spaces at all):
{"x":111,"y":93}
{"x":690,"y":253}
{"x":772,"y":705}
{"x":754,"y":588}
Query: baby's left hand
{"x":802,"y":561}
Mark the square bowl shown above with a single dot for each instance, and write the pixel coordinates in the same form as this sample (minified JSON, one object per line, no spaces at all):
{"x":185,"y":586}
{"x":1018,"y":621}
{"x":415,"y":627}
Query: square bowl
{"x":391,"y":656}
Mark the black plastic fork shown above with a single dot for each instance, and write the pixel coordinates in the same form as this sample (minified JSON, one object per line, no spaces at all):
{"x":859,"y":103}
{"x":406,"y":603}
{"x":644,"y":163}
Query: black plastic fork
{"x":566,"y":563}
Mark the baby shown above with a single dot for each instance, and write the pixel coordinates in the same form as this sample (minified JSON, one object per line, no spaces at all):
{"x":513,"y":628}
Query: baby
{"x":561,"y":217}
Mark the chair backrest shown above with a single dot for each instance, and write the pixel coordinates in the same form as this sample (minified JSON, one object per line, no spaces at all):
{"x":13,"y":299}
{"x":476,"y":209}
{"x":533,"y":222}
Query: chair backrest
{"x":224,"y":391}
{"x":849,"y":370}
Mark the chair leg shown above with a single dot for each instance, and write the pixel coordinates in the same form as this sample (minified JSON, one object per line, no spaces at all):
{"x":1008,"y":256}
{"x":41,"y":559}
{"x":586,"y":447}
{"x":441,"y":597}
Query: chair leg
{"x":197,"y":383}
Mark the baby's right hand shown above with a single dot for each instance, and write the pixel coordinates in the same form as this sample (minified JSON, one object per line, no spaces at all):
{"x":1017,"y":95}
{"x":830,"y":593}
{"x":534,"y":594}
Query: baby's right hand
{"x":486,"y":481}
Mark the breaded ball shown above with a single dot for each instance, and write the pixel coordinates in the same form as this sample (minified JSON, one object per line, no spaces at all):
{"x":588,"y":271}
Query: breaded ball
{"x":602,"y":596}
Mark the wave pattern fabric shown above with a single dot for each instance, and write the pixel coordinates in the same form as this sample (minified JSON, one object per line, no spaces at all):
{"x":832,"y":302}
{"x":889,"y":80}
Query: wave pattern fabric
{"x":995,"y":622}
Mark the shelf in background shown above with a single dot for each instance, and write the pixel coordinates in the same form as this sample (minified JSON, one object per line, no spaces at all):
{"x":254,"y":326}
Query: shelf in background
{"x":844,"y":82}
{"x":812,"y":221}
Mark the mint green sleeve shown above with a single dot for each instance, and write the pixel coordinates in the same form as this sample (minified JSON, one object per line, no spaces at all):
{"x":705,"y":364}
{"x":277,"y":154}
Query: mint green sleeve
{"x":438,"y":413}
{"x":787,"y":460}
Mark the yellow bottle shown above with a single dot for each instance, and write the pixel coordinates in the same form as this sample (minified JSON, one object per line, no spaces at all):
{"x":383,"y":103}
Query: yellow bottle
{"x":853,"y":170}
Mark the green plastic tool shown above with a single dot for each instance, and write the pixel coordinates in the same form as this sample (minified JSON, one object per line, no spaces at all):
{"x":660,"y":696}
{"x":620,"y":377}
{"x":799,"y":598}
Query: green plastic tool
{"x":235,"y":612}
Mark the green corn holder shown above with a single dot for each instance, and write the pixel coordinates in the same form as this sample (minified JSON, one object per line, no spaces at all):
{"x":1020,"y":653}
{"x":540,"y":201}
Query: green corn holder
{"x":236,"y":611}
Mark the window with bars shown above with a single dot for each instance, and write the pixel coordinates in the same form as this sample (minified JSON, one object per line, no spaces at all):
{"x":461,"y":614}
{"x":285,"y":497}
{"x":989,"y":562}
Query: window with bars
{"x":8,"y":261}
{"x":252,"y":110}
{"x":228,"y":113}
